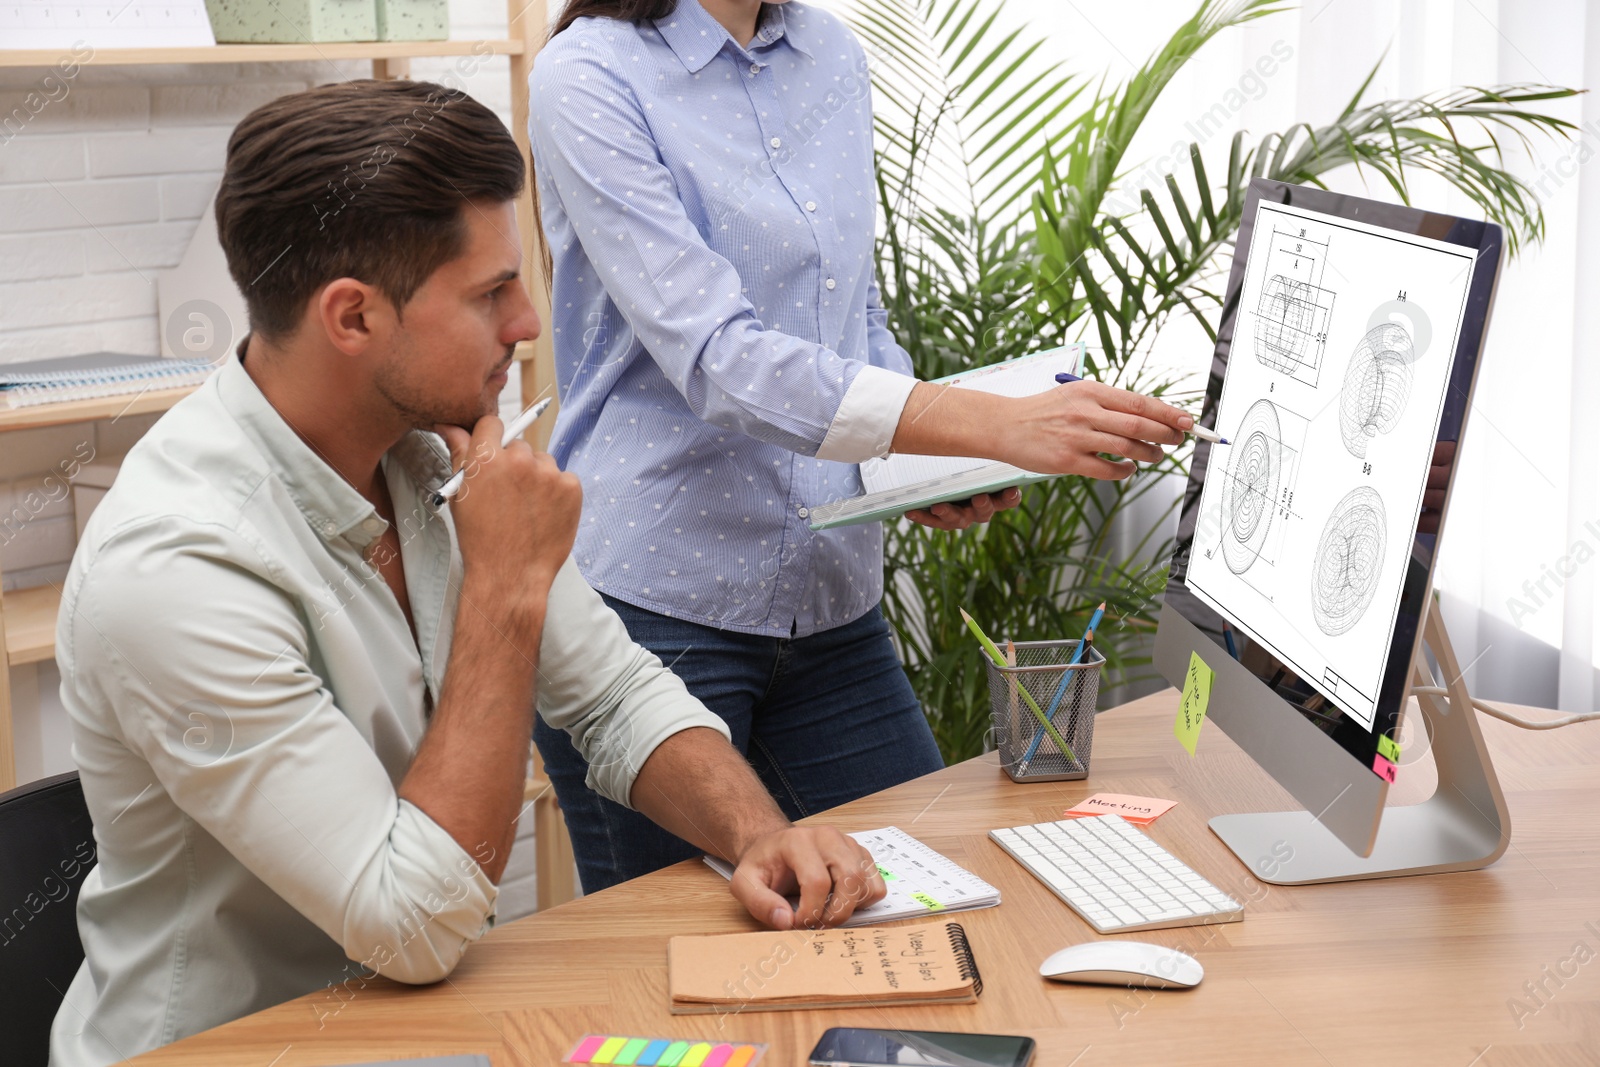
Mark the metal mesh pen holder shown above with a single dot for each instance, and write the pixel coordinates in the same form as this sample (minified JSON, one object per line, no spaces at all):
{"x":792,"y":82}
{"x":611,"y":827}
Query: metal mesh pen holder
{"x":1041,"y":666}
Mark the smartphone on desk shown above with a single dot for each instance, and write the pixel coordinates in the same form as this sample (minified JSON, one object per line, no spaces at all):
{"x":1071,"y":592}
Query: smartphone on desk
{"x":850,"y":1047}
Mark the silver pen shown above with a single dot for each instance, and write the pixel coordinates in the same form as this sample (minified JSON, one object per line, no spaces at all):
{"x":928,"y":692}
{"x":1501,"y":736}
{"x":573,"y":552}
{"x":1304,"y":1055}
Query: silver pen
{"x":517,"y":427}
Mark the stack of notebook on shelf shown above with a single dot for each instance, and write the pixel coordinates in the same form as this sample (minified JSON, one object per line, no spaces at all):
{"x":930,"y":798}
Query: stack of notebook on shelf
{"x":50,"y":381}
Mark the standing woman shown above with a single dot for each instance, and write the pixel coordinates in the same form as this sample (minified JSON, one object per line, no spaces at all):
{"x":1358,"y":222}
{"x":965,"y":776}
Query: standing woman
{"x":724,"y":362}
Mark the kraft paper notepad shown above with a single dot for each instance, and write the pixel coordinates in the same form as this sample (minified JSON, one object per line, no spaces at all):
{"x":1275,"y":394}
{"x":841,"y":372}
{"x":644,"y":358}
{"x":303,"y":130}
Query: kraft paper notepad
{"x":771,"y":970}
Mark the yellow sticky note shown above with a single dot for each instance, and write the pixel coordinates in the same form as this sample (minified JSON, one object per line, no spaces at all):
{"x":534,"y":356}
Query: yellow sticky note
{"x":1192,"y":706}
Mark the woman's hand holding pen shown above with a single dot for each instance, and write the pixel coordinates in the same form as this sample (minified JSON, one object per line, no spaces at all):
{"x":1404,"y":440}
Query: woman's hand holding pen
{"x":1062,"y":430}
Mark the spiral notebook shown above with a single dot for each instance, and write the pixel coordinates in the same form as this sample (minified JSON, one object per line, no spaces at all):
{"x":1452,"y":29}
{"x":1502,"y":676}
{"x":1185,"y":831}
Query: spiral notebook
{"x":917,"y":880}
{"x":772,"y":970}
{"x":50,"y":381}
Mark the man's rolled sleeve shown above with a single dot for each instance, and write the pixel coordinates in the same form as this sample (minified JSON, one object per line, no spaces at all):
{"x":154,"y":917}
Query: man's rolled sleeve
{"x":613,"y":697}
{"x":217,"y":693}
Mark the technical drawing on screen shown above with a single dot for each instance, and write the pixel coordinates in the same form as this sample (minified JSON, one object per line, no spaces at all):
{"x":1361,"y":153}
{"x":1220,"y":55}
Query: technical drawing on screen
{"x":1308,"y":516}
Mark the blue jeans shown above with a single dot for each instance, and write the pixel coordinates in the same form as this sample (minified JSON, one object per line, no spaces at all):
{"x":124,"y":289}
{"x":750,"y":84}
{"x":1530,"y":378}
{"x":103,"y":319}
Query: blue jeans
{"x":823,"y":720}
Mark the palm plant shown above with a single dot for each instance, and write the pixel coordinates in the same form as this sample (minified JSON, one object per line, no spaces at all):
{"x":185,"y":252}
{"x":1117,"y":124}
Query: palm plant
{"x":1001,"y":179}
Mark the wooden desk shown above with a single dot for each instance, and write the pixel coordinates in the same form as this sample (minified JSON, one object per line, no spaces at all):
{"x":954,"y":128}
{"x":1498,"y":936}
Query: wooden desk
{"x":1413,"y":971}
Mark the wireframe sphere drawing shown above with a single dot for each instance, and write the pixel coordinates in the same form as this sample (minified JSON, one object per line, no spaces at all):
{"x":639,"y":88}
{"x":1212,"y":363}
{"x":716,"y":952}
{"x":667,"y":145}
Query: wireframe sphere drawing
{"x":1288,"y":316}
{"x":1251,"y":490}
{"x":1377,"y":384}
{"x":1407,"y":313}
{"x":1348,"y":561}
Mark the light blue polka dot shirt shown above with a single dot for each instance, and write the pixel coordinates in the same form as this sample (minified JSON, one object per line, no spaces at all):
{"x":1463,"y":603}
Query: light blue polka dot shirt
{"x":722,"y":356}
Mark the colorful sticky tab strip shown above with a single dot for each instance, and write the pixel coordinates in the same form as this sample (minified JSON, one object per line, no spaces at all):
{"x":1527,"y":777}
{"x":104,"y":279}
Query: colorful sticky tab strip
{"x":1383,"y":768}
{"x":1388,"y":749}
{"x":1192,"y":706}
{"x":626,"y":1051}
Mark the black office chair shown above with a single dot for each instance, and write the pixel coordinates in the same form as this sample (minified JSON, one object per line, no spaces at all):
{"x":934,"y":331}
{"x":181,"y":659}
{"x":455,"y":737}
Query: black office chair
{"x":47,"y":842}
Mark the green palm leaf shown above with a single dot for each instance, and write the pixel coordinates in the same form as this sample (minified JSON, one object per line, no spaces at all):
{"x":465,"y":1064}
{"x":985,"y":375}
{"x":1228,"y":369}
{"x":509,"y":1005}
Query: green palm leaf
{"x":1010,"y":223}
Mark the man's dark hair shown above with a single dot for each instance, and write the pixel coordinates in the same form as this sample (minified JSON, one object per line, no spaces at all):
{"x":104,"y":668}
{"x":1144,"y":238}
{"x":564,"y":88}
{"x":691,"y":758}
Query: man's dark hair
{"x":364,"y":179}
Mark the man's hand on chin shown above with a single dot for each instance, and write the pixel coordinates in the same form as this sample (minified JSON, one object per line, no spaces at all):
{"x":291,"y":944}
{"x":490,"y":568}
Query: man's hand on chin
{"x":833,"y":875}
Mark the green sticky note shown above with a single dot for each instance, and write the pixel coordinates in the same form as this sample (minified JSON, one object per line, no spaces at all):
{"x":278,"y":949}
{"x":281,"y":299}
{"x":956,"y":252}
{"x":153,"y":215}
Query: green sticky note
{"x":1192,"y":706}
{"x":1388,"y":749}
{"x":629,"y":1054}
{"x":927,"y":902}
{"x":888,"y":875}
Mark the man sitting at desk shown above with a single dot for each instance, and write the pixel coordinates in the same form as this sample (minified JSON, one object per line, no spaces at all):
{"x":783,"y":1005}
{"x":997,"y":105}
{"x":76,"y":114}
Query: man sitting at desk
{"x":301,"y":698}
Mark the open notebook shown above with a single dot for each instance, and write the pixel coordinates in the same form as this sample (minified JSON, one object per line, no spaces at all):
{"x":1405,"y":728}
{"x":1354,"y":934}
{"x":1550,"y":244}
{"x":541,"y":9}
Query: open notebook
{"x":901,"y":483}
{"x":772,"y":970}
{"x":919,"y":880}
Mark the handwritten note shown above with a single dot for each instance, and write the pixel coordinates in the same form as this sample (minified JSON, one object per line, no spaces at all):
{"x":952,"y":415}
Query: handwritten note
{"x":1192,"y":706}
{"x":1141,"y":811}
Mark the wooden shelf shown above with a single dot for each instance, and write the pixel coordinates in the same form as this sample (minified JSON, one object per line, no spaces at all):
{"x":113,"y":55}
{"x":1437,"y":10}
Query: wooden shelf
{"x":28,"y":618}
{"x":267,"y":53}
{"x":105,"y":407}
{"x":31,"y":625}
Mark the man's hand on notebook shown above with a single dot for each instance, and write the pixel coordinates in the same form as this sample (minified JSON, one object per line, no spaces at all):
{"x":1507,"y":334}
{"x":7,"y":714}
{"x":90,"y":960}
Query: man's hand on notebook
{"x":830,"y":871}
{"x":959,"y":514}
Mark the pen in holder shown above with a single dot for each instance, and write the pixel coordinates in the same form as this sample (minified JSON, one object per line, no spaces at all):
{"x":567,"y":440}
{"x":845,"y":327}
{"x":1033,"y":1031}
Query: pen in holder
{"x":1043,"y":671}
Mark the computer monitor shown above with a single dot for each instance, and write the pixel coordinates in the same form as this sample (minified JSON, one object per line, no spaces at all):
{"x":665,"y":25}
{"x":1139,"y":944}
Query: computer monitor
{"x":1302,"y":576}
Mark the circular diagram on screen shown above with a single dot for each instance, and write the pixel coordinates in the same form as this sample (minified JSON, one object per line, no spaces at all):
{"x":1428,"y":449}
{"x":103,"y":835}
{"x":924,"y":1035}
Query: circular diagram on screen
{"x":1349,"y":560}
{"x":1377,"y":384}
{"x":1252,"y":486}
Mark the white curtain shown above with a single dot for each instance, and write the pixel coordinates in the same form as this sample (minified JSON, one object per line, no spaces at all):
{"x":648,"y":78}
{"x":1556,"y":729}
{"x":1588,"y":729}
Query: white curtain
{"x":1520,"y":559}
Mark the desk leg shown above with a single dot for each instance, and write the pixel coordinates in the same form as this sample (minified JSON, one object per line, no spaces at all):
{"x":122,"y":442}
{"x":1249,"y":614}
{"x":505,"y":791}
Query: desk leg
{"x":552,"y":847}
{"x":553,"y":874}
{"x":8,"y":746}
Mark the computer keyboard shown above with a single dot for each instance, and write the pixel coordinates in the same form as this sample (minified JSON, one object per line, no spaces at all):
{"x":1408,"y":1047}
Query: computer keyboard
{"x":1114,"y":876}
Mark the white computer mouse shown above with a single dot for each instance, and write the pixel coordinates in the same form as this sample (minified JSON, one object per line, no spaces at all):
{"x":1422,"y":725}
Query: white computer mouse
{"x":1130,"y":963}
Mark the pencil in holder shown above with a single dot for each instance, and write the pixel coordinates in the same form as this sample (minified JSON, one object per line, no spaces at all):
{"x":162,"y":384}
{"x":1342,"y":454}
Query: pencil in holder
{"x":1028,"y":751}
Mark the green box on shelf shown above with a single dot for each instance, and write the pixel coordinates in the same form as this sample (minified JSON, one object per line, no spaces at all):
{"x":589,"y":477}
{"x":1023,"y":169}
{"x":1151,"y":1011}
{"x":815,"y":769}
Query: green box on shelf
{"x":413,"y":20}
{"x":292,"y":21}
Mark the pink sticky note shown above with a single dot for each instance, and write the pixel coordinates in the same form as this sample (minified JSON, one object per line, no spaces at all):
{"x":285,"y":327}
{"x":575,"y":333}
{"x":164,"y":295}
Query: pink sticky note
{"x":1383,"y":768}
{"x":587,"y":1048}
{"x":1134,"y":809}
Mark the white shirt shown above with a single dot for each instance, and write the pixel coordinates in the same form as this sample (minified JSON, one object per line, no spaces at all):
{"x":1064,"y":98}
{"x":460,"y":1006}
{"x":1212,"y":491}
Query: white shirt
{"x":245,"y":696}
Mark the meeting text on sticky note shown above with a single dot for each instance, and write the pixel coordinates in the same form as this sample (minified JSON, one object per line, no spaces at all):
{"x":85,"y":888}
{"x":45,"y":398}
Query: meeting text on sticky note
{"x":1138,"y":810}
{"x":1192,"y":705}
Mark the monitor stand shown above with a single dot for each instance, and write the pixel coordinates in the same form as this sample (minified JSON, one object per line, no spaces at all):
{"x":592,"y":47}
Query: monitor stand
{"x":1462,"y":827}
